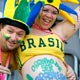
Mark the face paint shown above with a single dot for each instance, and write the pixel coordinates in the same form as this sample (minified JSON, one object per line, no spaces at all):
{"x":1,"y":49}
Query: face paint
{"x":51,"y":76}
{"x":46,"y":65}
{"x":6,"y":36}
{"x":47,"y":76}
{"x":20,"y":40}
{"x":39,"y":16}
{"x":28,"y":77}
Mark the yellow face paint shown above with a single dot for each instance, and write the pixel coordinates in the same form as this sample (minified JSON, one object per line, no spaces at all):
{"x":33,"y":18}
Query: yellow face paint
{"x":6,"y":35}
{"x":20,"y":40}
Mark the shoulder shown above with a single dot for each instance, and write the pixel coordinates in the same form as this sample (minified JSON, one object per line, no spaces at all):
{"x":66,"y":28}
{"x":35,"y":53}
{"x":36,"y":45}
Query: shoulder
{"x":65,"y":28}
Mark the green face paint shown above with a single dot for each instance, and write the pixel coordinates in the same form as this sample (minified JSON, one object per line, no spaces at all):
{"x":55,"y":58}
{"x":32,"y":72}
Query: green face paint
{"x":20,"y":41}
{"x":28,"y":77}
{"x":6,"y":36}
{"x":39,"y":16}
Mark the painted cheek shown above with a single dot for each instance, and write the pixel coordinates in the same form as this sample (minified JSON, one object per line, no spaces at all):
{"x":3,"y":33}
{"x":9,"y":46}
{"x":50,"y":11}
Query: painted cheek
{"x":20,"y":40}
{"x":6,"y":36}
{"x":39,"y":17}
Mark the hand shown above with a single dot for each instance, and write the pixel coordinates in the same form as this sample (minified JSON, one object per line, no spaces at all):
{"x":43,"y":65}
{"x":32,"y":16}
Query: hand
{"x":4,"y":70}
{"x":70,"y":74}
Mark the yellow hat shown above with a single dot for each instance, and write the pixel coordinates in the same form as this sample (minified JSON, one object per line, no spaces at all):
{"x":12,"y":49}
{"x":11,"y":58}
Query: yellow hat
{"x":55,"y":3}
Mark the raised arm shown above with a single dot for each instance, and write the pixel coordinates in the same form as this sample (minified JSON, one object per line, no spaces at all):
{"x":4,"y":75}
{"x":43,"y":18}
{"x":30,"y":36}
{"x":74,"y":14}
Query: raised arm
{"x":66,"y":29}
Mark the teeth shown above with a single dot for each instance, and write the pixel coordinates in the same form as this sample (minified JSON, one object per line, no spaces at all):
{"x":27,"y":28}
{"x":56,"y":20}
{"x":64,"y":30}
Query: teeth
{"x":46,"y":20}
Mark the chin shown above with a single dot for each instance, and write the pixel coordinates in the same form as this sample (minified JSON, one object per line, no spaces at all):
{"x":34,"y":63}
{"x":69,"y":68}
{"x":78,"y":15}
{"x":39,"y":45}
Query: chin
{"x":12,"y":48}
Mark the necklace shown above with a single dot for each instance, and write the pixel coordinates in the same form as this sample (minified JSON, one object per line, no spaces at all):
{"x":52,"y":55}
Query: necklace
{"x":44,"y":30}
{"x":4,"y":76}
{"x":47,"y":31}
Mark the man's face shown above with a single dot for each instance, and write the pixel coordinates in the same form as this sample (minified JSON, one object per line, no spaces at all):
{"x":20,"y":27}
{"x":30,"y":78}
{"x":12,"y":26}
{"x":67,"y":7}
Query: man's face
{"x":12,"y":36}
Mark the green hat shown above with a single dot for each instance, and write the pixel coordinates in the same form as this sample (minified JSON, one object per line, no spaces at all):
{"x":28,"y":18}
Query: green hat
{"x":16,"y":14}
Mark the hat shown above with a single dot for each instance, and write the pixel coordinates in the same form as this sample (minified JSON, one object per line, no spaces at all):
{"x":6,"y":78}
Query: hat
{"x":55,"y":3}
{"x":16,"y":14}
{"x":63,"y":9}
{"x":35,"y":8}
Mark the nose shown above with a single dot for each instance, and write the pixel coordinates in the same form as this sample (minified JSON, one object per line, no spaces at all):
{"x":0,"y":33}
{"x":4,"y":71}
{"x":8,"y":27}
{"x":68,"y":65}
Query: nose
{"x":49,"y":14}
{"x":14,"y":37}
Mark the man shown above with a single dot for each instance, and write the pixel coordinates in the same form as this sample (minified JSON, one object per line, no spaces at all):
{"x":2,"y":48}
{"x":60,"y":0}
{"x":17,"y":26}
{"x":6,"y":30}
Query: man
{"x":13,"y":29}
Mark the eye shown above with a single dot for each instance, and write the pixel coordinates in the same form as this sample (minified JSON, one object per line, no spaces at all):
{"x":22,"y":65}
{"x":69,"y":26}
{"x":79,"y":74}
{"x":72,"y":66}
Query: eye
{"x":44,"y":10}
{"x":20,"y":35}
{"x":10,"y":31}
{"x":55,"y":12}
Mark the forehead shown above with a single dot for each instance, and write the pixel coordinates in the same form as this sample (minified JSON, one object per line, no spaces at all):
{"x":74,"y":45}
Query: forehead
{"x":14,"y":28}
{"x":50,"y":7}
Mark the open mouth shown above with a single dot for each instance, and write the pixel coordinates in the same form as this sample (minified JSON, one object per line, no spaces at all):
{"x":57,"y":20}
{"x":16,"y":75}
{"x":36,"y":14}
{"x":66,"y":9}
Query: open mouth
{"x":46,"y":21}
{"x":12,"y":44}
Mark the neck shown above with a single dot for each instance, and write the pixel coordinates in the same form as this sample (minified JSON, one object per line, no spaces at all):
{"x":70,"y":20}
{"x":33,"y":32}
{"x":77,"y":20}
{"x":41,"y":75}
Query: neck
{"x":41,"y":29}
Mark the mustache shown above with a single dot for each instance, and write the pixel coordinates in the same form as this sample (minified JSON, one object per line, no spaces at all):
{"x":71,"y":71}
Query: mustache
{"x":13,"y":42}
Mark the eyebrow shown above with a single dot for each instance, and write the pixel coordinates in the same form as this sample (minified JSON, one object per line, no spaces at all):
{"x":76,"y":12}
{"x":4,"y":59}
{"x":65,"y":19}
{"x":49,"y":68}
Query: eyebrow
{"x":21,"y":31}
{"x":52,"y":6}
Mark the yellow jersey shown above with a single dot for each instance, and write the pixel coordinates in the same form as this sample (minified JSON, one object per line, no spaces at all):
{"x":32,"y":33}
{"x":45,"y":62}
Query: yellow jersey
{"x":34,"y":45}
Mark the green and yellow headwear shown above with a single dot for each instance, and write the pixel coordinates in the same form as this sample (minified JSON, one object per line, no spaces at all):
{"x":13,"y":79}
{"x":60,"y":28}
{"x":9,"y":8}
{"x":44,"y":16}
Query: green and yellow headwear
{"x":16,"y":13}
{"x":55,"y":3}
{"x":63,"y":9}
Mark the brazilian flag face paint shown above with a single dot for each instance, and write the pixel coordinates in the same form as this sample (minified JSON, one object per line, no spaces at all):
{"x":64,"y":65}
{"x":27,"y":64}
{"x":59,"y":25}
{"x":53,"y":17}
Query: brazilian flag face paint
{"x":39,"y":16}
{"x":20,"y":40}
{"x":6,"y":36}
